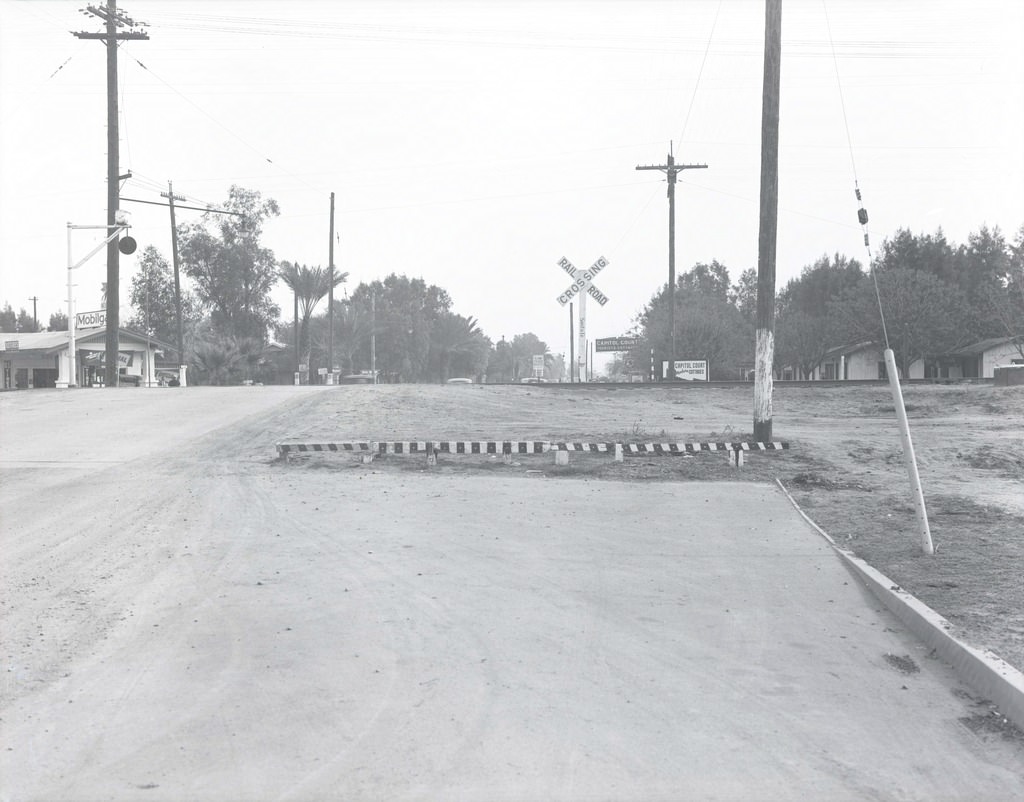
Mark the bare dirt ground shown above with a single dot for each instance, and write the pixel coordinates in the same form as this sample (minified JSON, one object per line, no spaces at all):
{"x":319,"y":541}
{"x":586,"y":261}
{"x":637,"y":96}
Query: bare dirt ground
{"x":187,"y":617}
{"x":845,"y":467}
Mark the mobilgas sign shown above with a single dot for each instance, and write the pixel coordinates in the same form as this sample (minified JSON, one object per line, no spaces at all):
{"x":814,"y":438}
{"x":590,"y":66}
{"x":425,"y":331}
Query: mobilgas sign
{"x":604,"y":344}
{"x":91,"y":320}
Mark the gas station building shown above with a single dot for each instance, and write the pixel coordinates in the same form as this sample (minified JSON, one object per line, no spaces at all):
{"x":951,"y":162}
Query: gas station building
{"x":32,"y":360}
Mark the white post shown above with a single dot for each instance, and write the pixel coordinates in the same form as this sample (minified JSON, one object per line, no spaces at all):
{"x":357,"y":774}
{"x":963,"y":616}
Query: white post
{"x":182,"y":370}
{"x":72,"y":368}
{"x":908,"y":452}
{"x":581,"y":353}
{"x":618,"y":452}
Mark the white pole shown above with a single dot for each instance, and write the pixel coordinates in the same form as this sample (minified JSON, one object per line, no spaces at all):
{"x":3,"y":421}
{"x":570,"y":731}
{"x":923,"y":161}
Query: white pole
{"x":72,"y":368}
{"x":581,"y":354}
{"x":908,"y":452}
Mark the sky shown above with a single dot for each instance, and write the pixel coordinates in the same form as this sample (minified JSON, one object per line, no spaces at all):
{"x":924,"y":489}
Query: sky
{"x":473,"y":144}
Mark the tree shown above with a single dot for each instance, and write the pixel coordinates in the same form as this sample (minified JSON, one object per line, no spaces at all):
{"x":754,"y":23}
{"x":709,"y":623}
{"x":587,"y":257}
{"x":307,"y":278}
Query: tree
{"x":501,"y":362}
{"x":154,"y":309}
{"x":802,"y":340}
{"x":928,"y":253}
{"x":457,"y":342}
{"x":58,"y":322}
{"x":708,"y":280}
{"x":232,"y":272}
{"x":924,"y":316}
{"x":26,"y":322}
{"x":8,"y":319}
{"x":708,"y":326}
{"x":743,"y":295}
{"x":524,"y":348}
{"x":818,"y":284}
{"x":1005,"y":300}
{"x":310,"y":285}
{"x":402,"y":312}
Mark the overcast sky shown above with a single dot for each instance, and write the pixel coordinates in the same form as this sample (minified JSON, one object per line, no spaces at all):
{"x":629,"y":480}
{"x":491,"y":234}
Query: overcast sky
{"x":473,"y":144}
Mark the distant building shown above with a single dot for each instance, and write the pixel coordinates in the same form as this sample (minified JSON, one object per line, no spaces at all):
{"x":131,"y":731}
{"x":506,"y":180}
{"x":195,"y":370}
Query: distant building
{"x":866,"y":361}
{"x":33,"y":360}
{"x":858,"y":361}
{"x":979,"y":361}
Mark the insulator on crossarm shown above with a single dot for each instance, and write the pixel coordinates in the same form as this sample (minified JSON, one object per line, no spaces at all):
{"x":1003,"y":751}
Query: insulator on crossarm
{"x":862,"y":215}
{"x":857,"y":190}
{"x":866,"y":243}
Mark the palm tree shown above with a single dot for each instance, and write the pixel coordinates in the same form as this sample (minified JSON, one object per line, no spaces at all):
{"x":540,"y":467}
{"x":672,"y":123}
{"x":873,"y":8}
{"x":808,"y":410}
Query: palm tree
{"x":453,"y":335}
{"x":309,"y":284}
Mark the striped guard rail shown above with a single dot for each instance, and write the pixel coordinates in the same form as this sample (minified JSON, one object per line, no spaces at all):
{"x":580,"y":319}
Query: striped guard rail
{"x":516,"y":447}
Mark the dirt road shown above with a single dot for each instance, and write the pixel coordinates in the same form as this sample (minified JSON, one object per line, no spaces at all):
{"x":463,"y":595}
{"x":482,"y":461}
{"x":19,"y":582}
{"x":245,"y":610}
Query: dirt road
{"x":184,"y":618}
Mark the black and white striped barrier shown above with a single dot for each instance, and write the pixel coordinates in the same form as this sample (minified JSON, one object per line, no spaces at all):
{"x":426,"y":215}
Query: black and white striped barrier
{"x":508,"y":448}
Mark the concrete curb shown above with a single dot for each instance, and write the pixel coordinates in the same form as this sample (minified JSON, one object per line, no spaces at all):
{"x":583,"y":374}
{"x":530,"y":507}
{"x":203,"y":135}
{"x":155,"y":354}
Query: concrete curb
{"x":984,"y":671}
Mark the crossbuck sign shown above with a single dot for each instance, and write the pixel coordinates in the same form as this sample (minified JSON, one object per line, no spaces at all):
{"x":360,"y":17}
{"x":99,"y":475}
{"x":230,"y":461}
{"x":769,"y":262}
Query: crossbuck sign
{"x":582,"y":286}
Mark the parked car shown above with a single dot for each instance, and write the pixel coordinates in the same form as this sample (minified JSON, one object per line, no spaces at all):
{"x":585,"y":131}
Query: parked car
{"x":459,"y":381}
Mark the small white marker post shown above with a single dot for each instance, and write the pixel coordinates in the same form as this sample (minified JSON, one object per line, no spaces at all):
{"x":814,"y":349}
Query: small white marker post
{"x":908,"y":452}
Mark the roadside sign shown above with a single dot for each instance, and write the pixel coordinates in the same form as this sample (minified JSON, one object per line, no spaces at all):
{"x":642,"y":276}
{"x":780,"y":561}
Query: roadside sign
{"x":583,"y":281}
{"x":91,"y":320}
{"x":605,"y":344}
{"x":688,"y":370}
{"x":538,"y":362}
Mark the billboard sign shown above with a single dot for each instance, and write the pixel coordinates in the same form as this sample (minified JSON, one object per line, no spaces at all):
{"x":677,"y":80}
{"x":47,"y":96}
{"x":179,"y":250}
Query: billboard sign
{"x":688,"y":370}
{"x":604,"y":344}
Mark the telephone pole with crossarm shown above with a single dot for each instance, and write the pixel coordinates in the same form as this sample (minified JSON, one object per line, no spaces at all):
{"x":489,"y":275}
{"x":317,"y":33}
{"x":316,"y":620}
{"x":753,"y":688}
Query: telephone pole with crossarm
{"x":113,"y":20}
{"x":671,"y":170}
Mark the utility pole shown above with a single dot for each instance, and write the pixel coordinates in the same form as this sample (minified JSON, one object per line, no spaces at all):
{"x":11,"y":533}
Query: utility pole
{"x":768,"y":231}
{"x":671,"y":170}
{"x":35,"y":317}
{"x":171,"y":198}
{"x":114,"y":19}
{"x":298,"y":356}
{"x":330,"y":299}
{"x":572,"y":348}
{"x":373,"y":334}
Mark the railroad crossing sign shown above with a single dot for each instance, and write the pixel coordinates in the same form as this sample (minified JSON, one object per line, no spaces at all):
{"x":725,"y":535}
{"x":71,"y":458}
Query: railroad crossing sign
{"x":582,"y":286}
{"x":583,"y":281}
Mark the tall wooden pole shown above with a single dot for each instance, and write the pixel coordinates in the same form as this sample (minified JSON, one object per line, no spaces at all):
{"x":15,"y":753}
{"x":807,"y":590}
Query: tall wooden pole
{"x":177,"y":281}
{"x":671,"y":170}
{"x":767,"y":234}
{"x":330,"y":300}
{"x":572,"y":349}
{"x":113,"y":19}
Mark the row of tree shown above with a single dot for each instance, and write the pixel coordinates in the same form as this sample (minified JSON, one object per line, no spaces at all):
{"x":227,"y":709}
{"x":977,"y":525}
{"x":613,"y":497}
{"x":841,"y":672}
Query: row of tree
{"x":935,"y":296}
{"x":925,"y":296}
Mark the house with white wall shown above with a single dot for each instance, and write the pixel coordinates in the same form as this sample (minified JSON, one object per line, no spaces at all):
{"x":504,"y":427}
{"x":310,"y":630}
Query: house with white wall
{"x":980,"y":360}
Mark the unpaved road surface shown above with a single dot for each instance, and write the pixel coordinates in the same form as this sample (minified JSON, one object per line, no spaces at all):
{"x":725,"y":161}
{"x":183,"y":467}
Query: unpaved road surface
{"x":186,"y":618}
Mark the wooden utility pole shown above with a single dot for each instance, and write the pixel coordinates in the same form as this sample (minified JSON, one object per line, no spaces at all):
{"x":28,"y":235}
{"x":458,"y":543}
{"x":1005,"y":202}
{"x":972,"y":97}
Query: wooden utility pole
{"x":114,"y":19}
{"x":330,"y":299}
{"x":171,"y":197}
{"x":572,"y":348}
{"x":768,"y":231}
{"x":35,"y":312}
{"x":671,"y":170}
